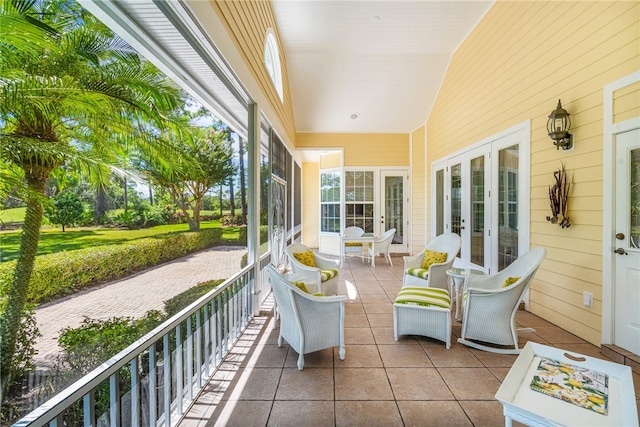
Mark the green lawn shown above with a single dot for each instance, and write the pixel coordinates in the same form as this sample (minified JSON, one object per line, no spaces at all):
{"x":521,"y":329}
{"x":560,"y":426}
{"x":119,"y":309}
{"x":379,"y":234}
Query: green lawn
{"x":54,"y":240}
{"x":11,"y":216}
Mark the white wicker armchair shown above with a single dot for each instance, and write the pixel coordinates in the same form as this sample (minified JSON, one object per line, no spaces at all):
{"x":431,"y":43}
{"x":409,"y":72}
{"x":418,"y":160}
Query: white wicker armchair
{"x":381,"y":247}
{"x":437,"y":273}
{"x":490,"y":309}
{"x":323,"y":278}
{"x":308,"y":323}
{"x":356,"y":247}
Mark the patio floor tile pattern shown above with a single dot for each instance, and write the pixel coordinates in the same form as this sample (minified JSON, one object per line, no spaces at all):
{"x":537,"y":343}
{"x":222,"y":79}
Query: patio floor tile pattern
{"x":415,"y":381}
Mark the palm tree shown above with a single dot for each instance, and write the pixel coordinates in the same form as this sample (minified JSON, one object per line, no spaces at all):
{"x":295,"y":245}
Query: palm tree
{"x":70,"y":93}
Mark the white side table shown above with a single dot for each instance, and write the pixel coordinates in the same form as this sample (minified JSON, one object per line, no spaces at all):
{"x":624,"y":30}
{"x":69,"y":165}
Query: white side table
{"x":458,"y":276}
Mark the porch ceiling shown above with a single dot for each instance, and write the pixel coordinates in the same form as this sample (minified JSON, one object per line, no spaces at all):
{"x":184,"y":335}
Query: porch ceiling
{"x":382,"y":60}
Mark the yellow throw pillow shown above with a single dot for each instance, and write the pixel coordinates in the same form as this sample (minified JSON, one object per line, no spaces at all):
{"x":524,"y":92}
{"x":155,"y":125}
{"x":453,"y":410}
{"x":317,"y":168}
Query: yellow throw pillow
{"x":433,"y":257}
{"x":510,"y":281}
{"x":305,"y":258}
{"x":301,"y":286}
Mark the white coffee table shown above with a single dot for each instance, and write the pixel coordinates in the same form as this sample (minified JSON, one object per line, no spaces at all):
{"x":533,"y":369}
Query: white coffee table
{"x":533,"y":408}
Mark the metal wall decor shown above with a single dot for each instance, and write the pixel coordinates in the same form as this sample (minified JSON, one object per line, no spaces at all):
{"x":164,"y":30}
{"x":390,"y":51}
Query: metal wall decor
{"x":558,"y":195}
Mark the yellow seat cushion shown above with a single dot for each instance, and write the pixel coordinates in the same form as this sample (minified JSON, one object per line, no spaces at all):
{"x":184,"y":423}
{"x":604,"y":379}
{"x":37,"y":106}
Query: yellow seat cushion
{"x":305,"y":258}
{"x":510,"y":281}
{"x":433,"y":257}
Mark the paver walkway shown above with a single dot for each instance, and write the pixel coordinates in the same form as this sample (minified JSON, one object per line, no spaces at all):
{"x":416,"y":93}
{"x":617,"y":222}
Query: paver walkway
{"x":132,"y":296}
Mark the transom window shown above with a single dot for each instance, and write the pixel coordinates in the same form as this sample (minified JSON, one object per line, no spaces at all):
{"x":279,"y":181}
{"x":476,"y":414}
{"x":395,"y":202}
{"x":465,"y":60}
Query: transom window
{"x":272,"y":61}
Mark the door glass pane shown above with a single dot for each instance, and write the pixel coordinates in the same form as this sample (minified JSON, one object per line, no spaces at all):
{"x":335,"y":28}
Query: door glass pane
{"x":456,"y":198}
{"x":393,"y":208}
{"x":439,"y":202}
{"x":508,"y":163}
{"x":634,"y":198}
{"x":477,"y":211}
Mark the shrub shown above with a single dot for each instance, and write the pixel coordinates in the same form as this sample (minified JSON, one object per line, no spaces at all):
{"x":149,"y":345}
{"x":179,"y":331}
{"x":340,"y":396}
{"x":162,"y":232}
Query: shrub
{"x":180,"y":301}
{"x":65,"y":209}
{"x":64,"y":273}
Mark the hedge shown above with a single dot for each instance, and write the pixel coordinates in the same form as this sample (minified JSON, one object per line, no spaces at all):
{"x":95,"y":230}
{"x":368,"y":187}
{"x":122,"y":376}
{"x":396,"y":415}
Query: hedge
{"x":64,"y":273}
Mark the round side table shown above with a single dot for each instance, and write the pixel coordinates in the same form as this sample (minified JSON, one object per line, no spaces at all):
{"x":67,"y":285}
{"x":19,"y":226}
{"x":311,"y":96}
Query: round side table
{"x":458,"y":276}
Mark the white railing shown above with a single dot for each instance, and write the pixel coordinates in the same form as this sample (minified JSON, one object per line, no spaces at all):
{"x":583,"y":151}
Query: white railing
{"x":154,"y":380}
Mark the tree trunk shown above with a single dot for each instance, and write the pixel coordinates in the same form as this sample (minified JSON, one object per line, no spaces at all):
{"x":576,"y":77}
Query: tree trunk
{"x":126,"y":195}
{"x":101,"y":203}
{"x":232,"y":202}
{"x":16,"y":297}
{"x":243,"y":192}
{"x":220,"y":199}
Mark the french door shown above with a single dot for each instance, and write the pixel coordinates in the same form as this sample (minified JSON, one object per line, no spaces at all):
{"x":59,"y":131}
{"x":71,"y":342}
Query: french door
{"x":479,"y":195}
{"x":393,"y":209}
{"x":463,"y":184}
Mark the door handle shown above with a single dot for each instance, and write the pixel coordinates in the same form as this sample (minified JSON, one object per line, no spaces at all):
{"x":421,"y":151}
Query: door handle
{"x":621,"y":251}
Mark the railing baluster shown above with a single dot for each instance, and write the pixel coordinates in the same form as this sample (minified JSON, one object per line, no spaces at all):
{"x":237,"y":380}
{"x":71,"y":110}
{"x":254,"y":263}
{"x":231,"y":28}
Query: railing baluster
{"x":207,"y":340}
{"x":88,"y":409}
{"x":114,"y":399}
{"x":179,"y":370}
{"x":135,"y":393}
{"x":153,"y":412}
{"x":198,"y":349}
{"x":166,"y":386}
{"x":189,"y":364}
{"x":219,"y":337}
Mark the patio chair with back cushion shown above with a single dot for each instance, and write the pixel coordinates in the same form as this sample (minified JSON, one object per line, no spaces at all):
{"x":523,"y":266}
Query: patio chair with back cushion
{"x":308,"y":323}
{"x":429,"y":267}
{"x":353,"y":247}
{"x":491,"y":302}
{"x":319,"y":274}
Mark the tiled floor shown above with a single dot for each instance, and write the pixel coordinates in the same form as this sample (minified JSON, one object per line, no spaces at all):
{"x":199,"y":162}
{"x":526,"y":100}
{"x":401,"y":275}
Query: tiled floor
{"x":381,"y":382}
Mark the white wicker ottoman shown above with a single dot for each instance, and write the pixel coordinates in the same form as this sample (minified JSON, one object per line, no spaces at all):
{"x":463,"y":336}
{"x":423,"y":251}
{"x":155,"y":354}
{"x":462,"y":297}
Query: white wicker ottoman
{"x":423,"y":311}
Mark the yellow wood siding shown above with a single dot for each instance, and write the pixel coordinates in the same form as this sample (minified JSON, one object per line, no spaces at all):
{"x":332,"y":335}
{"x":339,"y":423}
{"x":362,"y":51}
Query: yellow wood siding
{"x":418,"y":224}
{"x":247,"y":23}
{"x":625,"y":103}
{"x":333,"y":160}
{"x":361,"y":149}
{"x":519,"y":60}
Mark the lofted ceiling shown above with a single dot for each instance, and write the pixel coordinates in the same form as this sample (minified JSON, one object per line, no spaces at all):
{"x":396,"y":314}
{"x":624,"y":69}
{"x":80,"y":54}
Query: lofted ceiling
{"x":369,"y":66}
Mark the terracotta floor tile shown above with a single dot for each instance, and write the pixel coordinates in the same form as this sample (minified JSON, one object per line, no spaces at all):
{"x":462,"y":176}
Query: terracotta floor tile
{"x":362,"y":384}
{"x":367,"y":414}
{"x":404,"y":356}
{"x":308,"y":384}
{"x":269,"y":356}
{"x":353,"y":308}
{"x":300,"y":413}
{"x":384,"y":335}
{"x":360,"y":356}
{"x":457,"y":356}
{"x":242,"y":414}
{"x":367,"y":298}
{"x":358,"y":336}
{"x":355,"y":320}
{"x":470,"y":383}
{"x":254,"y":384}
{"x":484,"y":413}
{"x":438,"y":413}
{"x":317,"y":359}
{"x":377,"y":307}
{"x":418,"y":384}
{"x":380,"y":319}
{"x":556,"y":335}
{"x":494,"y":360}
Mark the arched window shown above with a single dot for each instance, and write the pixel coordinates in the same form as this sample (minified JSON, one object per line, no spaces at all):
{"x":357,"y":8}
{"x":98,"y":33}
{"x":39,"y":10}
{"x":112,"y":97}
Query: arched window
{"x":272,"y":61}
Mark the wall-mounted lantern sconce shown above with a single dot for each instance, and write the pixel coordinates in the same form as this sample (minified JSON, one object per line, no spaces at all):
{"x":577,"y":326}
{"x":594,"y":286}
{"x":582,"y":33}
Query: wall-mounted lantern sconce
{"x":558,"y":127}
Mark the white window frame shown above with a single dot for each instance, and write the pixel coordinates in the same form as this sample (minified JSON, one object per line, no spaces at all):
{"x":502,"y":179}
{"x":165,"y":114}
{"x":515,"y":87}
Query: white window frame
{"x":272,"y":61}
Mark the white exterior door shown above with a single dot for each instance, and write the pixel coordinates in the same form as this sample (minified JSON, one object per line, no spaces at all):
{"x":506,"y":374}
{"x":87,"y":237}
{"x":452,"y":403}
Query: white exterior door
{"x":627,"y":241}
{"x":394,"y":207}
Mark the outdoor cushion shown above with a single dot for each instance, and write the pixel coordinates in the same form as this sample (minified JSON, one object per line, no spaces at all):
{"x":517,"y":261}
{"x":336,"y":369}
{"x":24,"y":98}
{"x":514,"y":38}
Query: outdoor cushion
{"x":434,"y":297}
{"x":305,"y":258}
{"x":510,"y":281}
{"x":301,"y":286}
{"x":353,"y":244}
{"x":418,"y":272}
{"x":433,"y":257}
{"x":328,"y":274}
